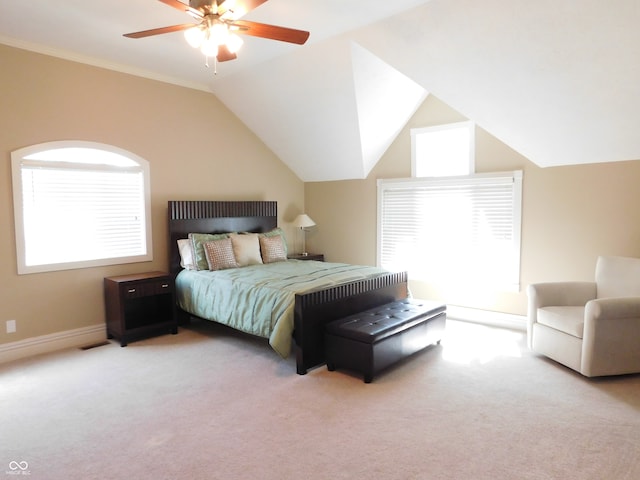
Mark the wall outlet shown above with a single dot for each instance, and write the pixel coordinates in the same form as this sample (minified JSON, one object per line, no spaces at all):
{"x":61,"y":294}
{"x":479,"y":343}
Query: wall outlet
{"x":11,"y":326}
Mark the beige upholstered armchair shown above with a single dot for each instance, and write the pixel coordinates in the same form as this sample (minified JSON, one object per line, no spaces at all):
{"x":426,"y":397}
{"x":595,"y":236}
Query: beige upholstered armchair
{"x":591,"y":327}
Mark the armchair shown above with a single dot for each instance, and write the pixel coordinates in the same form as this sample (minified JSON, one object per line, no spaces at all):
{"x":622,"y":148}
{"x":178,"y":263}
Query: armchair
{"x":591,"y":327}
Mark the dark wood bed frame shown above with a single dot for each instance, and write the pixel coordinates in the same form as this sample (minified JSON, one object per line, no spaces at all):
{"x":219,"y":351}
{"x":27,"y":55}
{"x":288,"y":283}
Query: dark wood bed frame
{"x":312,"y":310}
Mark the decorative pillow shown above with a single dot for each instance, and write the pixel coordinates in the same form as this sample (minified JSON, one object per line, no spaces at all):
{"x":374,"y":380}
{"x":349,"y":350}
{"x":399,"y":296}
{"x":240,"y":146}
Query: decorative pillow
{"x":197,"y":247}
{"x":272,"y":249}
{"x":277,"y":232}
{"x":246,"y":248}
{"x":219,"y":254}
{"x":186,"y":254}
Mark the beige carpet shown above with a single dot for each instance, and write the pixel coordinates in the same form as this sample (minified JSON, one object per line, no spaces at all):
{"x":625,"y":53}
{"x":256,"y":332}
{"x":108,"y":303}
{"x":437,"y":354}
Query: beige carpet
{"x":209,"y":403}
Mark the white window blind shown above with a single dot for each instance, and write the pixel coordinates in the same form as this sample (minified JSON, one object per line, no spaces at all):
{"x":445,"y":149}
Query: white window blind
{"x":452,"y":229}
{"x":79,"y":211}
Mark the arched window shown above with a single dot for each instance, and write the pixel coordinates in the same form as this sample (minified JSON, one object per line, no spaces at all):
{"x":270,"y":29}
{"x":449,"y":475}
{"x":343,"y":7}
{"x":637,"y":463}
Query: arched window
{"x":80,"y":204}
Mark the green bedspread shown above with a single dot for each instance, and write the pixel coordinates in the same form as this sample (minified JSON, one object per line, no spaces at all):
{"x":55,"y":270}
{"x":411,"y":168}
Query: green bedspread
{"x":259,"y":299}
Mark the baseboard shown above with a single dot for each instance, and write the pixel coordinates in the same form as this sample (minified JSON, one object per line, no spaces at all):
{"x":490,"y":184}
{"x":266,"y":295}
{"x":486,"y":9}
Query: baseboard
{"x":29,"y":347}
{"x":486,"y":317}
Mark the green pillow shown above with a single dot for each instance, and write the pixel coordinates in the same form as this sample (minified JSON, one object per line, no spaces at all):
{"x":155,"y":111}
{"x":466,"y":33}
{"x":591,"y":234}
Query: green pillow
{"x":197,"y":243}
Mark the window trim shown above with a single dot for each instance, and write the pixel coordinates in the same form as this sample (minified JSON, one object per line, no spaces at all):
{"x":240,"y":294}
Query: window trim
{"x":17,"y":158}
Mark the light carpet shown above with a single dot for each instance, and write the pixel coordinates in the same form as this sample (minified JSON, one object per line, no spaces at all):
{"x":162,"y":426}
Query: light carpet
{"x":210,"y":403}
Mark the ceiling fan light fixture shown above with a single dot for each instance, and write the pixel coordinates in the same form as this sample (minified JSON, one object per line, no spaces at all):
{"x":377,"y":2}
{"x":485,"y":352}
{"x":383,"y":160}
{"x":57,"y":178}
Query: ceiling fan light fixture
{"x":234,"y":42}
{"x":209,"y":47}
{"x":216,"y":33}
{"x":219,"y":32}
{"x":195,"y":36}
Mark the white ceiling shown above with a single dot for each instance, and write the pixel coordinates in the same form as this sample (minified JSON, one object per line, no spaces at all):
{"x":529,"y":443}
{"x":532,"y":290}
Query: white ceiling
{"x":557,"y":80}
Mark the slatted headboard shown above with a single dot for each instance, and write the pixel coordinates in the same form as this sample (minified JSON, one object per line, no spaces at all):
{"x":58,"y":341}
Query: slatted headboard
{"x":198,"y":216}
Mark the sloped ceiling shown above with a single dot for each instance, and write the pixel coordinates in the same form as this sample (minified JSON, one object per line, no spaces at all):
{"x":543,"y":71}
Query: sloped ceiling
{"x":556,"y":80}
{"x":328,"y":120}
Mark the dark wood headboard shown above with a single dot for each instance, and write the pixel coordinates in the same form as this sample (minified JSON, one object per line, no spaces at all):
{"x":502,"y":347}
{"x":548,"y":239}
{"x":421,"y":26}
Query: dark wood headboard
{"x":194,"y":216}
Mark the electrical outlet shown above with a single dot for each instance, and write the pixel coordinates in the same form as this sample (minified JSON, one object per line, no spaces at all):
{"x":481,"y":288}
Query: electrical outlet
{"x":11,"y":326}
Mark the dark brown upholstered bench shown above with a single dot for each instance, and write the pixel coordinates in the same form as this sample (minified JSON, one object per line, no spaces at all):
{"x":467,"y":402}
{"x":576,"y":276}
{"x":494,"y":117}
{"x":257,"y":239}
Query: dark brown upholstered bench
{"x":371,"y":341}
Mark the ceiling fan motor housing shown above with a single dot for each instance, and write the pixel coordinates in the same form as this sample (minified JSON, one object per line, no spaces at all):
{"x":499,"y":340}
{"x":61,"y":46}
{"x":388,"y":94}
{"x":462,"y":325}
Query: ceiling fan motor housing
{"x":203,"y":5}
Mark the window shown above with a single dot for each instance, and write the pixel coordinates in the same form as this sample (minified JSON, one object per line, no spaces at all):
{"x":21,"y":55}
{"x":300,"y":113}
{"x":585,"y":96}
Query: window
{"x":447,"y":225}
{"x":443,"y":150}
{"x":452,"y":229}
{"x":80,"y":204}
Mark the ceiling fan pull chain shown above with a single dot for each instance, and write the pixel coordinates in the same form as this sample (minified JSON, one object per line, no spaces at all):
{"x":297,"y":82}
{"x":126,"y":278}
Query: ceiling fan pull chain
{"x":215,"y":64}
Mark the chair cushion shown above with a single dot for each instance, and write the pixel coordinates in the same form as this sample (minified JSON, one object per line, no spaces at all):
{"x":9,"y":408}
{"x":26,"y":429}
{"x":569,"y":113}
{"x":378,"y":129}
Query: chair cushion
{"x":569,"y":320}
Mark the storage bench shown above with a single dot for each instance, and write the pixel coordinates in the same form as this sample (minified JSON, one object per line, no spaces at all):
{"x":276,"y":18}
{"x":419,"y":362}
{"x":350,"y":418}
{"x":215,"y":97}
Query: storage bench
{"x":370,"y":341}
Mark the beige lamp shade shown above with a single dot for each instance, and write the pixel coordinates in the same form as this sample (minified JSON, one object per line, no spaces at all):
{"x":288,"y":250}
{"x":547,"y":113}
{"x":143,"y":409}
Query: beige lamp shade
{"x":303,"y":221}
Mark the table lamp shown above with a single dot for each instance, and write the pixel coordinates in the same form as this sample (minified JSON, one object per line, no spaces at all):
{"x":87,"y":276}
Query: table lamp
{"x":303,"y":221}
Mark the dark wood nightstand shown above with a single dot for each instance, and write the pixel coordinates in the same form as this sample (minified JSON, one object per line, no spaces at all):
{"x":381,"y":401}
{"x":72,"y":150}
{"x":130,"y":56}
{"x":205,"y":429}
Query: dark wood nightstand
{"x":309,"y":256}
{"x":139,"y":305}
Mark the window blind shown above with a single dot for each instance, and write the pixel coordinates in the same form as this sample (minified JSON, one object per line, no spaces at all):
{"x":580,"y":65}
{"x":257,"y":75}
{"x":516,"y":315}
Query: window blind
{"x":453,"y":229}
{"x":75,"y":213}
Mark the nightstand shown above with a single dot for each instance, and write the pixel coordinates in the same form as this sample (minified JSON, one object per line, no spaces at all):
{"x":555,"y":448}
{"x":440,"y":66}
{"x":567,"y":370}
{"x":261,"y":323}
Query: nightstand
{"x":309,"y":256}
{"x":139,"y":305}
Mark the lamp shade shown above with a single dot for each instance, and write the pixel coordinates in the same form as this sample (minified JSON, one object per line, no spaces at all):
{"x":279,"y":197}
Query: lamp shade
{"x":195,"y":36}
{"x":303,"y":221}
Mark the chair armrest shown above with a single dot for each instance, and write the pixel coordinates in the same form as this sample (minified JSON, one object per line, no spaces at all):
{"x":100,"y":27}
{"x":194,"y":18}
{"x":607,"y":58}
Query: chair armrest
{"x":615,"y":307}
{"x":611,"y":336}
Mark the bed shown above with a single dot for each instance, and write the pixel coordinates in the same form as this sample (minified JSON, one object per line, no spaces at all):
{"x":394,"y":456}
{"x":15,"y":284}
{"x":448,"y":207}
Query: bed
{"x":311,"y":306}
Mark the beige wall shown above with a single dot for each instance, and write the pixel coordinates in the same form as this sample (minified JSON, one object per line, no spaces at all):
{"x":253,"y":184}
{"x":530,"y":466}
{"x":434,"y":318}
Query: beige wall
{"x":570,"y":214}
{"x":196,"y":148}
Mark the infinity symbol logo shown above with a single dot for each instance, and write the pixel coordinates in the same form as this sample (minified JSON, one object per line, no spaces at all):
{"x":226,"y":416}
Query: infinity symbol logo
{"x":13,"y":465}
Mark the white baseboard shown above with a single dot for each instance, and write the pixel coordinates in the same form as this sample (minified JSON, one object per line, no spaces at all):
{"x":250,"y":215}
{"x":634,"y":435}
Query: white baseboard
{"x":29,"y":347}
{"x":486,"y":317}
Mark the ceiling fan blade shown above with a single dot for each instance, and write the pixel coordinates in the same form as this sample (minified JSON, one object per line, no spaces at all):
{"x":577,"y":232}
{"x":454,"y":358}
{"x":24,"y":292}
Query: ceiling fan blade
{"x":238,"y":8}
{"x":159,"y":31}
{"x":224,"y":55}
{"x":185,"y":8}
{"x":272,"y":32}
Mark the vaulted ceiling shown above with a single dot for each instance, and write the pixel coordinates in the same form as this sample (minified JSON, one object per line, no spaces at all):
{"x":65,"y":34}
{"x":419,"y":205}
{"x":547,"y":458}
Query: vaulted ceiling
{"x":556,"y":80}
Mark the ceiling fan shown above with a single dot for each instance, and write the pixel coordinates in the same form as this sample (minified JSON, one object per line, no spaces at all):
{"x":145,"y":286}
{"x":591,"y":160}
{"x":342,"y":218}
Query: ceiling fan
{"x":219,"y":24}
